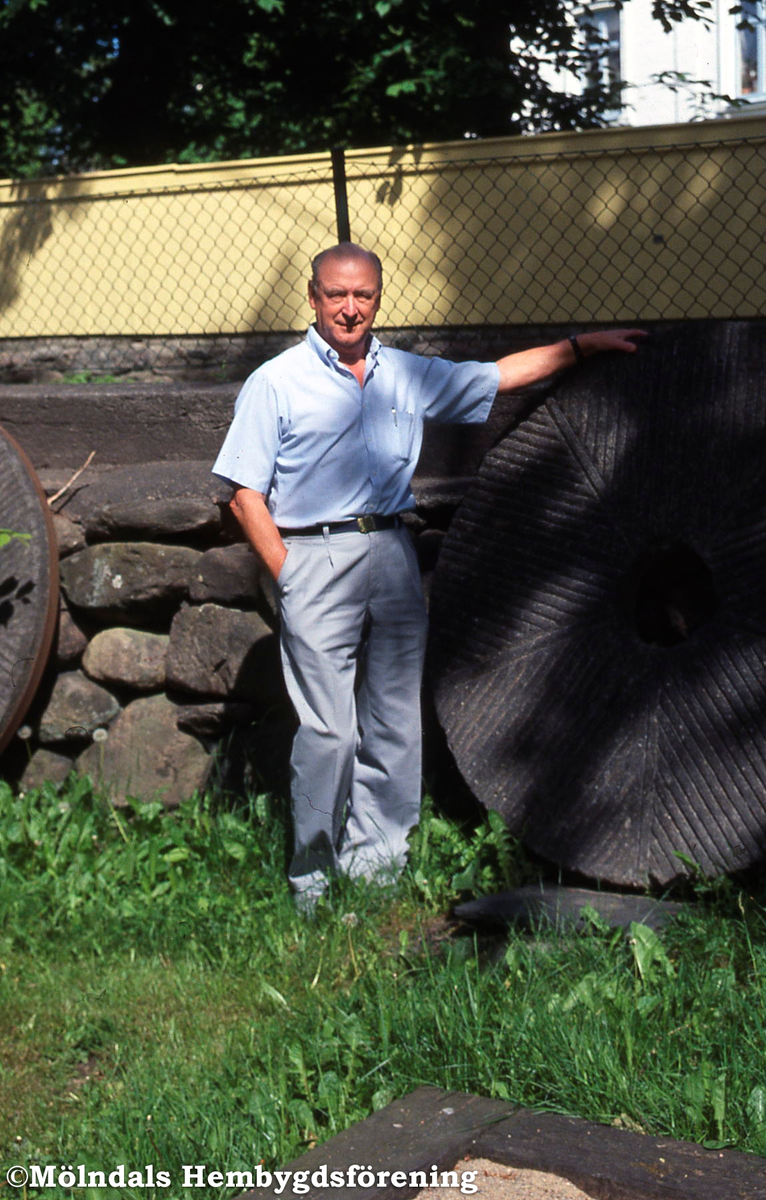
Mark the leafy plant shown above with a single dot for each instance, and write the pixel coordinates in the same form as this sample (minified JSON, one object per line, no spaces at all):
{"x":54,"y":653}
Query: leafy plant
{"x":9,"y":535}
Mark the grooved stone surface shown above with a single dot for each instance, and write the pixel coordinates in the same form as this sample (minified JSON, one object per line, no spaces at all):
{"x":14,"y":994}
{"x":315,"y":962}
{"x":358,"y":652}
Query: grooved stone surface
{"x":28,"y":585}
{"x":598,"y":619}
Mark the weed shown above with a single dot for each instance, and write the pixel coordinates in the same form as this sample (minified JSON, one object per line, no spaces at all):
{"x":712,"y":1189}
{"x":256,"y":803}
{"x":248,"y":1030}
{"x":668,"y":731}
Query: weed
{"x":92,"y":377}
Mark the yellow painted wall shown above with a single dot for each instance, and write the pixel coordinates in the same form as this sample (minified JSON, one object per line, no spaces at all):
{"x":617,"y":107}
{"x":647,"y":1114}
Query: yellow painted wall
{"x":628,"y":224}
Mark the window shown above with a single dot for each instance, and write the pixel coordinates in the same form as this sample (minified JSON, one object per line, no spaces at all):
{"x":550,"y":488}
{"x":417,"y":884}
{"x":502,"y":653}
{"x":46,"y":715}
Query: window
{"x":601,"y":25}
{"x":750,"y":34}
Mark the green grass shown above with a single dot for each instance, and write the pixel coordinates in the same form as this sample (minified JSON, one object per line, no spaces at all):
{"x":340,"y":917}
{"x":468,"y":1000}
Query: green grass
{"x":161,"y":1002}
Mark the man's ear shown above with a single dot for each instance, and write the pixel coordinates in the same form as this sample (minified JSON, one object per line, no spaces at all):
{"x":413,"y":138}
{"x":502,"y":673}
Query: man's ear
{"x":312,"y":294}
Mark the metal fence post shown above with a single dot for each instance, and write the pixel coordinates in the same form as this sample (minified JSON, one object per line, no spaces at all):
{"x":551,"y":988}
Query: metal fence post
{"x":338,"y":156}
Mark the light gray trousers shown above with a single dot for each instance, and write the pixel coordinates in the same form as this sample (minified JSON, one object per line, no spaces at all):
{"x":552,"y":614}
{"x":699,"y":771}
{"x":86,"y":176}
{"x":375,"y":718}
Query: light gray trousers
{"x":353,"y":640}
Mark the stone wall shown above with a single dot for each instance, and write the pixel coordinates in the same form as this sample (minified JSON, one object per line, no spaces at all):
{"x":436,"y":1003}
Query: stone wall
{"x":165,"y":675}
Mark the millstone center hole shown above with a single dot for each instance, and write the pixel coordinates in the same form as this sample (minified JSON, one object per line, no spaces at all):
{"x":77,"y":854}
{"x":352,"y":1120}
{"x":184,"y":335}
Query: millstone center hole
{"x":669,"y":593}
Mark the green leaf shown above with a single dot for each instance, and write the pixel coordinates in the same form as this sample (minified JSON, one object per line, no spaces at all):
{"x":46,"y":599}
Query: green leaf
{"x":648,"y":952}
{"x":405,"y":88}
{"x":694,"y":1092}
{"x":272,"y":994}
{"x":235,"y":849}
{"x":8,"y":535}
{"x":382,"y":1097}
{"x":465,"y":881}
{"x":718,"y":1097}
{"x":756,"y":1106}
{"x":178,"y":854}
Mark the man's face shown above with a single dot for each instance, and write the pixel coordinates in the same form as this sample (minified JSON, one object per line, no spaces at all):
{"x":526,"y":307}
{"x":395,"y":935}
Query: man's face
{"x":346,"y":301}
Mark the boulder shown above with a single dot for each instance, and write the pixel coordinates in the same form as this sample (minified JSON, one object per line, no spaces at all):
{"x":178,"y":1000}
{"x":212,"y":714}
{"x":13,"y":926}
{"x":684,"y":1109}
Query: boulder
{"x":76,"y":708}
{"x":216,"y":717}
{"x":217,"y":651}
{"x":127,"y":657}
{"x":69,"y":534}
{"x":45,"y":766}
{"x":129,"y":582}
{"x":146,"y":755}
{"x":71,"y":640}
{"x":163,"y":499}
{"x":227,"y":575}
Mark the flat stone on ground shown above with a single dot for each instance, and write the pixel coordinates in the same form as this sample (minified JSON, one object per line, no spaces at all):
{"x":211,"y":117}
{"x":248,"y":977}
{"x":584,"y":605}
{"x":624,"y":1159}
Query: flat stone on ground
{"x":435,"y":1127}
{"x":532,"y":906}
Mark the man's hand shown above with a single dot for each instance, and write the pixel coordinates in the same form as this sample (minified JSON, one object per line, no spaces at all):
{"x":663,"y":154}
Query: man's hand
{"x":250,"y":509}
{"x":610,"y":339}
{"x":531,"y":366}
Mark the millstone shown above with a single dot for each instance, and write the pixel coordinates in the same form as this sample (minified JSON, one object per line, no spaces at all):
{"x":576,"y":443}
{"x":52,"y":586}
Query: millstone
{"x":598,"y":641}
{"x":28,"y":586}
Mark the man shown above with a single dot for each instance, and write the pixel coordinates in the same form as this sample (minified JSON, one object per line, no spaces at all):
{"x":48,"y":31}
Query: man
{"x":321,"y":451}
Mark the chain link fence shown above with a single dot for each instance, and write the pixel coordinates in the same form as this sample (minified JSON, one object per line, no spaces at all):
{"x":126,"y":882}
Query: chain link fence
{"x":202,"y":270}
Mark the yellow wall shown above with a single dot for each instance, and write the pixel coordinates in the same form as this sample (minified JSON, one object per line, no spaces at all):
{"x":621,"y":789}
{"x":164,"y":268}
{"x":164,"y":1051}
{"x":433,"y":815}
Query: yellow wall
{"x":627,"y":224}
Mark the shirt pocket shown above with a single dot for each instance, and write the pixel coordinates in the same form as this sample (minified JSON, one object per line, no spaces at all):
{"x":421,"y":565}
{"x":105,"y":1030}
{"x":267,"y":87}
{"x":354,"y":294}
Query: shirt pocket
{"x":405,"y":432}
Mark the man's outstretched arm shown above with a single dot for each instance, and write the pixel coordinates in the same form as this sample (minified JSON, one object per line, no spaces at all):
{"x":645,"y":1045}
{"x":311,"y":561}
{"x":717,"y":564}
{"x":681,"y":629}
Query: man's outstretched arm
{"x":530,"y":366}
{"x":250,"y":509}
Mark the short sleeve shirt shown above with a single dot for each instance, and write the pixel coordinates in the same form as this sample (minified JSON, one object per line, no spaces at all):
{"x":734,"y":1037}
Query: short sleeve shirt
{"x":324,"y":449}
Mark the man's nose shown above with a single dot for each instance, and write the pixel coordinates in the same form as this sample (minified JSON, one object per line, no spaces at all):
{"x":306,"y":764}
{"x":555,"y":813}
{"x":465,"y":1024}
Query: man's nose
{"x":350,"y":308}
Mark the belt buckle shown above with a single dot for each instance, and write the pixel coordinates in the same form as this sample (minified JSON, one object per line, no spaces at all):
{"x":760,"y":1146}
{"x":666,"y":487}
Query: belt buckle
{"x":366,"y":524}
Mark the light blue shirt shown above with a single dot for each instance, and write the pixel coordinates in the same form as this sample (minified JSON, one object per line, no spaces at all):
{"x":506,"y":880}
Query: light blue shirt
{"x":324,"y":449}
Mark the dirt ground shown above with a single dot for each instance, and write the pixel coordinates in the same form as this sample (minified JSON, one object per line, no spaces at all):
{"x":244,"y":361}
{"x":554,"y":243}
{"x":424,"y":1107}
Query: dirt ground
{"x":497,"y":1182}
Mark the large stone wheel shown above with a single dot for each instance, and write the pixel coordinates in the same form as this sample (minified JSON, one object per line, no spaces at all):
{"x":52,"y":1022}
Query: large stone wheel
{"x":598,"y":644}
{"x":28,"y":586}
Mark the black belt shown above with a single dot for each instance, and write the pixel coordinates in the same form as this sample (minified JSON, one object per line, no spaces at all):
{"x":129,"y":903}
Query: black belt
{"x":370,"y":523}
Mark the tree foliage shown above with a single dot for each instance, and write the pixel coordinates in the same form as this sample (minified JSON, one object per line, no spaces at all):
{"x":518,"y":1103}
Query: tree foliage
{"x":86,"y":84}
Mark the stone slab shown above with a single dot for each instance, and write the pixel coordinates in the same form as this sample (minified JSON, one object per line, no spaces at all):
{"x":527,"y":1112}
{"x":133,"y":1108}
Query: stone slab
{"x":159,"y":499}
{"x":434,"y":1127}
{"x":60,"y":424}
{"x":564,"y":907}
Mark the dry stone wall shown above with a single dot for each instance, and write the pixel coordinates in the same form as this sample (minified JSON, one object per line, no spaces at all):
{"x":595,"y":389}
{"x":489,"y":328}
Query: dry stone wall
{"x":166,"y":671}
{"x":166,"y":675}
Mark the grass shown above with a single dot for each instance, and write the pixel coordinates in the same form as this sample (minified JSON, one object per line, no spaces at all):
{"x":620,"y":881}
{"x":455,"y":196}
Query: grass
{"x":161,"y":1002}
{"x":93,"y":377}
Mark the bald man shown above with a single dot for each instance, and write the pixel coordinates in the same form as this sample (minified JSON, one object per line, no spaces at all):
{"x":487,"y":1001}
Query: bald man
{"x":321,"y":452}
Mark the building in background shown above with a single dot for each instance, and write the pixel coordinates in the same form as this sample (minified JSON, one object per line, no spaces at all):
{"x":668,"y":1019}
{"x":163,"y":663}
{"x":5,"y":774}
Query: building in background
{"x":700,"y":69}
